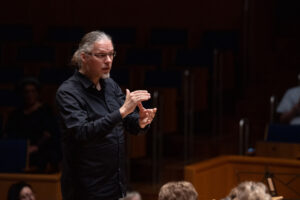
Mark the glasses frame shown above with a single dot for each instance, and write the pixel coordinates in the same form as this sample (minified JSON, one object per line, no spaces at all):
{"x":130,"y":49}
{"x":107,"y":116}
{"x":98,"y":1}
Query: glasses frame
{"x":103,"y":56}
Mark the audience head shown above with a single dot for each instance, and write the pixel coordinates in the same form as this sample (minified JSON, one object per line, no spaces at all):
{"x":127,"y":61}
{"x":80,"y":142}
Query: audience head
{"x":181,"y":190}
{"x":29,"y":89}
{"x":133,"y":195}
{"x":249,"y":190}
{"x":20,"y":191}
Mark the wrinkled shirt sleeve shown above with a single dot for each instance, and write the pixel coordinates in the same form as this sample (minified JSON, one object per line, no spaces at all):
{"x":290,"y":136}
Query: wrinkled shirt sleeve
{"x":76,"y":121}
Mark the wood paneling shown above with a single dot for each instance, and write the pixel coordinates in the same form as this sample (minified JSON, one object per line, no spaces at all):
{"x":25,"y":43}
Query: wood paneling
{"x":213,"y":179}
{"x":45,"y":187}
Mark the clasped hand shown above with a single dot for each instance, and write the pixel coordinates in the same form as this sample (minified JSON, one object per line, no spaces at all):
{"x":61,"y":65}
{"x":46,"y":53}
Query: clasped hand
{"x":134,"y":99}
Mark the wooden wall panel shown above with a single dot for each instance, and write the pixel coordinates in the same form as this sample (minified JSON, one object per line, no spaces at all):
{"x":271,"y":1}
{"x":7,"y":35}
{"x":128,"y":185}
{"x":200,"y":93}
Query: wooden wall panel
{"x":46,"y":187}
{"x":213,"y":179}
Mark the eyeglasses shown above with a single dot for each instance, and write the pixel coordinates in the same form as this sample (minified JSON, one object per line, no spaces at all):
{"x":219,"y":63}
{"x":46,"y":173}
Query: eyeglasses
{"x":111,"y":55}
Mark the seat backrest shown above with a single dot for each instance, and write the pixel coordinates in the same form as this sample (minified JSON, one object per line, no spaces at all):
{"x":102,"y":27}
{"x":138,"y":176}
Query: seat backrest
{"x":13,"y":156}
{"x":283,"y":133}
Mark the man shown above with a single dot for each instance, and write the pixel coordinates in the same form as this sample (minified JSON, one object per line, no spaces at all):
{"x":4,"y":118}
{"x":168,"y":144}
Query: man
{"x":289,"y":107}
{"x":94,"y":113}
{"x":180,"y":190}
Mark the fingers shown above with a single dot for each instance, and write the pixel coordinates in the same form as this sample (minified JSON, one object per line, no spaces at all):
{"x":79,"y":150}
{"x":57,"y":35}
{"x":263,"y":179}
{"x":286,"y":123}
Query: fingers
{"x":127,"y":92}
{"x":140,"y":105}
{"x":150,"y":114}
{"x":138,"y":95}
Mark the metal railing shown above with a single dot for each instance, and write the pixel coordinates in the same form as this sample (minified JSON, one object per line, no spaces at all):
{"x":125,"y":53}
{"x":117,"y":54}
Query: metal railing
{"x":243,"y":136}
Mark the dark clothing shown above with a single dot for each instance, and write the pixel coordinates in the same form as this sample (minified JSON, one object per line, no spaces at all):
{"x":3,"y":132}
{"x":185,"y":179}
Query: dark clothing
{"x":93,"y":138}
{"x":33,"y":126}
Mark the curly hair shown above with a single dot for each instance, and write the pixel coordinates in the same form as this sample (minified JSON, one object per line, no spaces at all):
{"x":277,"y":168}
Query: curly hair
{"x":181,"y":190}
{"x":249,"y":190}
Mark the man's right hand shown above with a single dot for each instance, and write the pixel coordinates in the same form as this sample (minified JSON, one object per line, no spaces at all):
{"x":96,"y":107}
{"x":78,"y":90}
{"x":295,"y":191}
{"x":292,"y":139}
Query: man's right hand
{"x":132,"y":100}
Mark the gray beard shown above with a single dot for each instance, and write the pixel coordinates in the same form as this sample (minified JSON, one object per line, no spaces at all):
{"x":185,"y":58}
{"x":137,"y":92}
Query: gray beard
{"x":105,"y":76}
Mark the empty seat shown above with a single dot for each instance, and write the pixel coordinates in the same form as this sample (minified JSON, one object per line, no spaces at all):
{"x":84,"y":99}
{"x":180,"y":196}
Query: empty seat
{"x":65,"y":34}
{"x":36,"y":54}
{"x":55,"y":75}
{"x":11,"y":75}
{"x":15,"y":33}
{"x":122,"y":35}
{"x":194,"y":57}
{"x":164,"y":79}
{"x":143,"y":57}
{"x":169,"y":37}
{"x":283,"y":133}
{"x":8,"y":98}
{"x":13,"y":156}
{"x":220,"y":40}
{"x":121,"y":76}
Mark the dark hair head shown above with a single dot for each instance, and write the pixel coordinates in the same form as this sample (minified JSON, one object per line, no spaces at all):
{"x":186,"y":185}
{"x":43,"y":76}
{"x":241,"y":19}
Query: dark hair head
{"x":28,"y":81}
{"x":15,"y":189}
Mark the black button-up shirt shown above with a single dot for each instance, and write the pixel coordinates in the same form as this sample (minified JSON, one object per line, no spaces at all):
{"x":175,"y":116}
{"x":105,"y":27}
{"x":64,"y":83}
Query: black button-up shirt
{"x":93,"y":138}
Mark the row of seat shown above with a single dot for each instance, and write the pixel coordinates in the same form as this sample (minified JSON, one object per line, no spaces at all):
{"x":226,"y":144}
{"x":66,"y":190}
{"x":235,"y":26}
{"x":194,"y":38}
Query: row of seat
{"x":196,"y":57}
{"x":128,"y":35}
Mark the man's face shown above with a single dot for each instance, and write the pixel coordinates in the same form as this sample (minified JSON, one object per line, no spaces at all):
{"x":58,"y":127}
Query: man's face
{"x":98,"y":62}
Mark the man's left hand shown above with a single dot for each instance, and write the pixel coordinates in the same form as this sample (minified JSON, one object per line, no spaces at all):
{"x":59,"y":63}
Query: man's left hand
{"x":146,"y":115}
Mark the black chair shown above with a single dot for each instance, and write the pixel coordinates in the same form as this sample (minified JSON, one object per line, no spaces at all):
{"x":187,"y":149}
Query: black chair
{"x":169,"y":37}
{"x":9,"y":98}
{"x":65,"y":34}
{"x":36,"y":54}
{"x":283,"y":133}
{"x":122,"y":36}
{"x":13,"y":156}
{"x":11,"y":75}
{"x":143,"y":57}
{"x":121,"y":76}
{"x":194,"y":58}
{"x":223,"y":40}
{"x":55,"y":75}
{"x":163,"y":79}
{"x":15,"y":33}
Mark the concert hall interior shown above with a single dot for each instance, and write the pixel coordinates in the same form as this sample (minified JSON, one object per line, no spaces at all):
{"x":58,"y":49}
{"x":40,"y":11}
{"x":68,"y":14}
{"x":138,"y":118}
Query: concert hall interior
{"x":216,"y":71}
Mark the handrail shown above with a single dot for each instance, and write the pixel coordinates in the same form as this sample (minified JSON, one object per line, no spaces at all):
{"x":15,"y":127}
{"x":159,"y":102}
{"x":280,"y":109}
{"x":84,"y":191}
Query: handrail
{"x":273,"y":101}
{"x":243,"y":136}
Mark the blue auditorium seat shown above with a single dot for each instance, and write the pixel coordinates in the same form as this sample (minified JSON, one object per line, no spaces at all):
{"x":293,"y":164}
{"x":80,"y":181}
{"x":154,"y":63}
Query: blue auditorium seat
{"x":194,"y":58}
{"x":220,"y":40}
{"x":65,"y":34}
{"x":163,"y":79}
{"x":9,"y":98}
{"x":143,"y":57}
{"x":13,"y":156}
{"x":169,"y":36}
{"x":36,"y":54}
{"x":121,"y":76}
{"x":55,"y":75}
{"x":122,"y":35}
{"x":15,"y":33}
{"x":11,"y":75}
{"x":283,"y":133}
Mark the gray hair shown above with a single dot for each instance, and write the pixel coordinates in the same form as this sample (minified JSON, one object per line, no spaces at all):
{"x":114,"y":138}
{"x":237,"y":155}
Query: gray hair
{"x":178,"y":190}
{"x":249,"y":190}
{"x":86,"y":45}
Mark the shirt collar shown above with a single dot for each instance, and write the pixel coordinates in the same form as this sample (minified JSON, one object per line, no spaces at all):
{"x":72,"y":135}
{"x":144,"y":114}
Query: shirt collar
{"x":87,"y":83}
